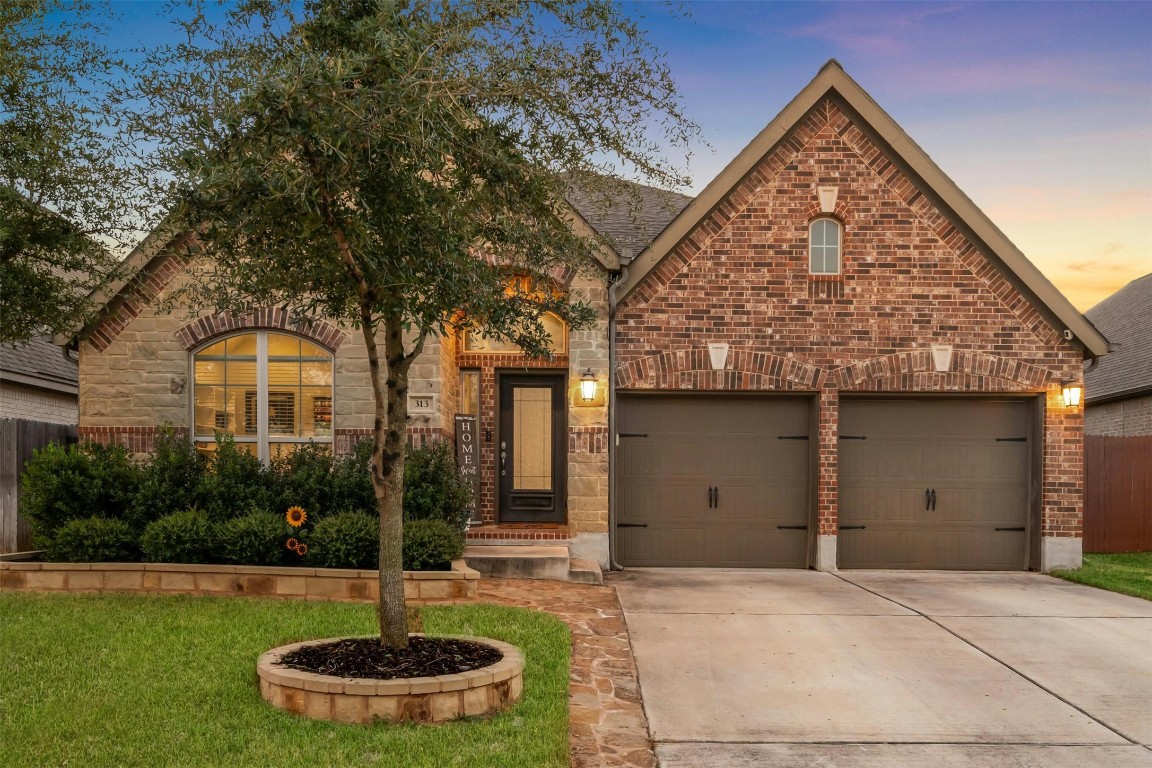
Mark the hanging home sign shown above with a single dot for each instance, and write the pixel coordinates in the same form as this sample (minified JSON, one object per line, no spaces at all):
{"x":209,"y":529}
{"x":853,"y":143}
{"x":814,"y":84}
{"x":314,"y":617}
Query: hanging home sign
{"x":468,"y":459}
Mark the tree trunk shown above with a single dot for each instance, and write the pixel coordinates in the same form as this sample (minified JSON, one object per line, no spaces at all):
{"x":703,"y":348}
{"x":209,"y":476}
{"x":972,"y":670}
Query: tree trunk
{"x":388,"y":444}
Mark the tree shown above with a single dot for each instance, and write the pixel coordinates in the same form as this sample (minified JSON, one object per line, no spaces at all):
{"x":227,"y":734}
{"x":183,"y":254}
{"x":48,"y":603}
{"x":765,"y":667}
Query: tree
{"x":62,"y":183}
{"x":390,"y":165}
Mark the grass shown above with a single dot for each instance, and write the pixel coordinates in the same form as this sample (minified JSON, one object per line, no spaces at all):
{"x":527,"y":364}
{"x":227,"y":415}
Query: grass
{"x":1129,"y":574}
{"x":137,"y":680}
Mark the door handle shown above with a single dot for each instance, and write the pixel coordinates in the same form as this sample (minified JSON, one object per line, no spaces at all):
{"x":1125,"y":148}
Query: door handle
{"x":716,"y":497}
{"x":503,"y":456}
{"x":933,"y":499}
{"x":710,"y":489}
{"x":927,"y":499}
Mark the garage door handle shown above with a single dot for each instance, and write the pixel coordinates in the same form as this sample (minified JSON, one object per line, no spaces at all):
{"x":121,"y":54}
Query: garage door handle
{"x":716,"y":497}
{"x":851,"y":527}
{"x":1011,"y":529}
{"x":927,"y":499}
{"x":853,"y":437}
{"x":1011,"y":439}
{"x":791,"y":527}
{"x":791,"y":437}
{"x":631,"y":525}
{"x":933,"y":499}
{"x":711,"y":490}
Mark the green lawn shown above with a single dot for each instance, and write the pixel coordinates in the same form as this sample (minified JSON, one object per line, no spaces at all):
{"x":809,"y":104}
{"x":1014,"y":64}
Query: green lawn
{"x":127,"y":680}
{"x":1130,"y":573}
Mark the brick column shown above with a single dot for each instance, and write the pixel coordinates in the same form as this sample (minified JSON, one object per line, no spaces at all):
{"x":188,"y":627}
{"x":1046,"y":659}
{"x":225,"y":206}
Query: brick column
{"x":827,"y":470}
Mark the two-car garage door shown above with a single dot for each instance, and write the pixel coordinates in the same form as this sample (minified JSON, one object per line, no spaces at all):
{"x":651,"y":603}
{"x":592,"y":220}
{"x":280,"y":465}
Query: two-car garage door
{"x":726,"y":481}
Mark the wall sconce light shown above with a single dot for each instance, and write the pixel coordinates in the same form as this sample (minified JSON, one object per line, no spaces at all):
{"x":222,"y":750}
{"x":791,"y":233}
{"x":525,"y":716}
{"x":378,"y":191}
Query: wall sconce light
{"x":718,"y":355}
{"x":942,"y":357}
{"x":588,"y":386}
{"x":1072,"y":392}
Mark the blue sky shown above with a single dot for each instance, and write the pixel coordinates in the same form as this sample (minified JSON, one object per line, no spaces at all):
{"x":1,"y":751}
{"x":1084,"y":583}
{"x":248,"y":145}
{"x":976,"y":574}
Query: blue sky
{"x":1040,"y":111}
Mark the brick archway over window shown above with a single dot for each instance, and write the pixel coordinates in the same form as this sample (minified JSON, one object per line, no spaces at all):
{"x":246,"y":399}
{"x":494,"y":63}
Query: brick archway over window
{"x":913,"y":371}
{"x":692,"y":369}
{"x":195,"y":332}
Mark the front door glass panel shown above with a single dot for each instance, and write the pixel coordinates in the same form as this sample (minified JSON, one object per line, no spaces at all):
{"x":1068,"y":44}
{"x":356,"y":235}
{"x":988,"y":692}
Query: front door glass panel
{"x":532,"y":449}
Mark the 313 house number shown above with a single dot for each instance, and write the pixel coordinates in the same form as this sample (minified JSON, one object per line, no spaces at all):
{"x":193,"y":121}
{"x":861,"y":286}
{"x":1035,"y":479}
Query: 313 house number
{"x":421,"y":404}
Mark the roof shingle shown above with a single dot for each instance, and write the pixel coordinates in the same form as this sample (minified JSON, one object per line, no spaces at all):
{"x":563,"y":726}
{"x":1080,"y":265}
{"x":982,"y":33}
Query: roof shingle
{"x":1125,"y":318}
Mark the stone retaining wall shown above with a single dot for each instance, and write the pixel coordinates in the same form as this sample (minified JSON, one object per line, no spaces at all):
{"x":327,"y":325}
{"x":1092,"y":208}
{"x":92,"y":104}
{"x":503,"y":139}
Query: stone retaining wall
{"x":437,"y":699}
{"x":349,"y":585}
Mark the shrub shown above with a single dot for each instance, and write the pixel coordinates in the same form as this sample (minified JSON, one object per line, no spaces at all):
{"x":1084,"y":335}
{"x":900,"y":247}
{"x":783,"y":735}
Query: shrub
{"x":235,"y":483}
{"x":181,"y":537}
{"x":431,"y":545}
{"x":63,"y":483}
{"x":304,"y":478}
{"x":434,"y":488}
{"x":346,"y":540}
{"x":255,"y":539}
{"x":168,"y":479}
{"x":352,"y":481}
{"x":94,"y":540}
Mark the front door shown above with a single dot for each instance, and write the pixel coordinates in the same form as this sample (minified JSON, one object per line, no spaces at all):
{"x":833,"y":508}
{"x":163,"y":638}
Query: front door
{"x":532,"y":455}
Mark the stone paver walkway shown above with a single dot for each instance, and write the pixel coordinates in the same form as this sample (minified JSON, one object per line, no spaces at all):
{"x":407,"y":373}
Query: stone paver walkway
{"x":607,"y":726}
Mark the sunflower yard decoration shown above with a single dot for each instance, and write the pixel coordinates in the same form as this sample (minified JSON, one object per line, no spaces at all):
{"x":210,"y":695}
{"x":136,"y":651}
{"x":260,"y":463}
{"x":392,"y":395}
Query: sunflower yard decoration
{"x":296,"y":517}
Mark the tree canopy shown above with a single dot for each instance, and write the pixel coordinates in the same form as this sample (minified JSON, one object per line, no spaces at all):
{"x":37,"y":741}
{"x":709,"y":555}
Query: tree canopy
{"x":65,"y":206}
{"x":390,"y":165}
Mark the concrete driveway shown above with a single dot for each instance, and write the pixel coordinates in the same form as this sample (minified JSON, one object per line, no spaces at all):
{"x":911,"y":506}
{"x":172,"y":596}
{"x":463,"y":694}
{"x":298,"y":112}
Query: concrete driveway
{"x":881,"y":669}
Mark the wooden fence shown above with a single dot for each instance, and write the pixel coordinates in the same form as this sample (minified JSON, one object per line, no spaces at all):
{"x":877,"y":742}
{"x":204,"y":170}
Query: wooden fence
{"x":18,"y":438}
{"x":1118,"y":494}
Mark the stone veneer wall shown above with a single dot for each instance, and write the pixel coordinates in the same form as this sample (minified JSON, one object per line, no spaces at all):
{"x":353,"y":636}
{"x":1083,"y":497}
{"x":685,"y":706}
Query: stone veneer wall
{"x":911,"y":277}
{"x":135,"y":370}
{"x":459,"y":584}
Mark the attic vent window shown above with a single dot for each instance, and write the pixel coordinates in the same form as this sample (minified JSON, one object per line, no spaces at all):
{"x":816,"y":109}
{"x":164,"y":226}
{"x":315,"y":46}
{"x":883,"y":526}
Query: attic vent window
{"x":824,"y":247}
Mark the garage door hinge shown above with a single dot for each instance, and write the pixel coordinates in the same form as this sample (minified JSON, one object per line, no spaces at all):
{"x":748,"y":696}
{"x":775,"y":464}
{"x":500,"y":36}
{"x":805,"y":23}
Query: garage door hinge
{"x":791,"y":437}
{"x":1020,"y":528}
{"x":853,"y":437}
{"x":851,"y":527}
{"x":631,"y":525}
{"x":791,"y":527}
{"x":1011,"y":439}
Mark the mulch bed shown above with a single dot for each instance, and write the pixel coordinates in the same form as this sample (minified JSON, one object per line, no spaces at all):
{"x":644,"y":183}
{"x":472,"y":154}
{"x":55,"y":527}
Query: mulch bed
{"x":365,"y":657}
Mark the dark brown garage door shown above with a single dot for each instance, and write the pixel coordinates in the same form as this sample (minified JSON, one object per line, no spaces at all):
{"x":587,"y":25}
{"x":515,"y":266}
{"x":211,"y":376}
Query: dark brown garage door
{"x":934,"y":484}
{"x":713,"y":481}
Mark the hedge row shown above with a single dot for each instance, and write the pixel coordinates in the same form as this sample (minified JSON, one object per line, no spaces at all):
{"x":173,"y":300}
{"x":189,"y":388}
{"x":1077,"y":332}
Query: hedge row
{"x":93,"y":503}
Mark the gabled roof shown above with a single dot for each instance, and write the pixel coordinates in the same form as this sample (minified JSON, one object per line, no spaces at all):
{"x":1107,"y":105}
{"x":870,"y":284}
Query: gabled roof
{"x":833,"y":80}
{"x":1126,"y":318}
{"x":627,"y":218}
{"x":38,"y":363}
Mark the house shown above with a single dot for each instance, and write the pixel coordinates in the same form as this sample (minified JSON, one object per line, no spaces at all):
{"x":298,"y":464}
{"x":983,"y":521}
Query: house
{"x":38,"y":382}
{"x":38,"y":404}
{"x":1118,"y":388}
{"x":830,"y":358}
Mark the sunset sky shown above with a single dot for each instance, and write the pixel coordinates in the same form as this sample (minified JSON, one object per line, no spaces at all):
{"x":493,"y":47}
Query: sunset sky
{"x":1040,"y":111}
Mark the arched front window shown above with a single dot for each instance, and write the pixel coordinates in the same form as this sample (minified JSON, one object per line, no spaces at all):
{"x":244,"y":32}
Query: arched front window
{"x":474,"y":339}
{"x":824,"y":247}
{"x":271,"y":391}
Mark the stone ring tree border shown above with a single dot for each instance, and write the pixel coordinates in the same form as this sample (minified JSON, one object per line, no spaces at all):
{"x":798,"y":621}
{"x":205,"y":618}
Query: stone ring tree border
{"x":475,"y":693}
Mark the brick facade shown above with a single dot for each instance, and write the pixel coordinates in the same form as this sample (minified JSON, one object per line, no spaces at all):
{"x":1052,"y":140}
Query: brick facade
{"x":18,"y":401}
{"x":1120,"y":418}
{"x":910,"y":278}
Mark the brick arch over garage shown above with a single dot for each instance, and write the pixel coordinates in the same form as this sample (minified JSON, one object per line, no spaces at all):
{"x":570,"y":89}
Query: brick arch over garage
{"x":196,"y":332}
{"x":692,"y":369}
{"x":914,"y":371}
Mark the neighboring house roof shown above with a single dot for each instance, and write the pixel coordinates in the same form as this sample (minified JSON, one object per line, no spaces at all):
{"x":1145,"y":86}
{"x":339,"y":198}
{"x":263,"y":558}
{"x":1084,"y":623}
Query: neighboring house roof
{"x":38,"y":363}
{"x":1125,"y":318}
{"x":832,"y":80}
{"x":628,"y":214}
